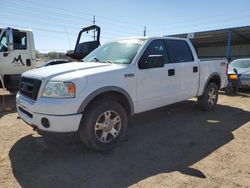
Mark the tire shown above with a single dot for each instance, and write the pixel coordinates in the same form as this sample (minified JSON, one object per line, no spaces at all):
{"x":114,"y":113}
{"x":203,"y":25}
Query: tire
{"x":235,"y":89}
{"x":103,"y":125}
{"x":209,"y":99}
{"x":229,"y":90}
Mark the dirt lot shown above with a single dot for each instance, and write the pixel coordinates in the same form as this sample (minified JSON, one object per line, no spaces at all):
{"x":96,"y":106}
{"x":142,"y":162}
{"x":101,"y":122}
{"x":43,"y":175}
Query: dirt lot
{"x":174,"y":146}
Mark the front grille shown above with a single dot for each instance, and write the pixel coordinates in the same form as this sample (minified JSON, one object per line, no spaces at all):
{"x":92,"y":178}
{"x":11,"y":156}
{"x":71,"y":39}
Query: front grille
{"x":29,"y":87}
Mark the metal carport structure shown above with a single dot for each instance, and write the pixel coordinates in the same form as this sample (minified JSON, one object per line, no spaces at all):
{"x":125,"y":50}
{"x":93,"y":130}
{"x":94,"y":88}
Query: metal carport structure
{"x":230,"y":42}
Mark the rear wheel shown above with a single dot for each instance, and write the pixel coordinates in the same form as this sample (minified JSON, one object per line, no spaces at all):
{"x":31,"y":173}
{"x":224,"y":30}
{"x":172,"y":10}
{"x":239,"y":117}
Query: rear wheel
{"x":104,"y":125}
{"x":209,"y":99}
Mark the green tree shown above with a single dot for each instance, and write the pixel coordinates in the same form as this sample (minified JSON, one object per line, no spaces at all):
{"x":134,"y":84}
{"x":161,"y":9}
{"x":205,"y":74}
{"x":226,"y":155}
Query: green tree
{"x":53,"y":55}
{"x":37,"y":54}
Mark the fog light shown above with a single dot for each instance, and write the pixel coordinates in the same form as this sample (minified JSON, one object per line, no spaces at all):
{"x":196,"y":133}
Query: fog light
{"x":45,"y":122}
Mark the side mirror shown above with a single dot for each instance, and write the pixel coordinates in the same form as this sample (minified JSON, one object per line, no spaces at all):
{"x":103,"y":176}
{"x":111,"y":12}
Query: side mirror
{"x":153,"y":61}
{"x":9,"y":39}
{"x":235,"y":70}
{"x":10,"y":46}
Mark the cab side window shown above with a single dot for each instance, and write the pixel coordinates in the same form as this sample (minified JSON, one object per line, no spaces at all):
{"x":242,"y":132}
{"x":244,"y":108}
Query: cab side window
{"x":20,"y":40}
{"x":3,"y":43}
{"x":156,"y":47}
{"x":179,"y":51}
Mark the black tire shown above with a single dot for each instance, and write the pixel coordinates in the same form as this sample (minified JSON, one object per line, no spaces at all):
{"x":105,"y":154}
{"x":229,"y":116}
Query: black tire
{"x":229,"y":90}
{"x":208,"y":103}
{"x":99,"y":111}
{"x":235,"y":89}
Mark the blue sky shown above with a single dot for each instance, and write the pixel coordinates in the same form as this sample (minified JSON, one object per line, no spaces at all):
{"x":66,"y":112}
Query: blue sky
{"x":56,"y":23}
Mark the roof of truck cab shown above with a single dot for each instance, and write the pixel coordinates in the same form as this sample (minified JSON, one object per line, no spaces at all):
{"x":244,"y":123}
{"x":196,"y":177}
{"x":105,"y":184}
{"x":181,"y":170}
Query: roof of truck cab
{"x":149,"y":37}
{"x":20,"y":29}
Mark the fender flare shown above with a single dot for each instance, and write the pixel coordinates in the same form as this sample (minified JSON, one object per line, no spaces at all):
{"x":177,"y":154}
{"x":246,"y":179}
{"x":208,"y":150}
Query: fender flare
{"x":99,"y":91}
{"x":208,"y":80}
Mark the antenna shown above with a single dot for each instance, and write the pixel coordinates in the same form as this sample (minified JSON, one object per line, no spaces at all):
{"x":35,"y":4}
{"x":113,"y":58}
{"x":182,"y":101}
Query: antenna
{"x":145,"y":31}
{"x":67,"y":36}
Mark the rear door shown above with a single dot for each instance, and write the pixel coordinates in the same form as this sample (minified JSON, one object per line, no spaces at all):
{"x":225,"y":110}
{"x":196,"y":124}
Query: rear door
{"x":186,"y":68}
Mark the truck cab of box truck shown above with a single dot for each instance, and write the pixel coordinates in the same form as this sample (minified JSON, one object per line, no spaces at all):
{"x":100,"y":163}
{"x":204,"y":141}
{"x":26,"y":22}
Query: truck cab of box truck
{"x":17,"y":55}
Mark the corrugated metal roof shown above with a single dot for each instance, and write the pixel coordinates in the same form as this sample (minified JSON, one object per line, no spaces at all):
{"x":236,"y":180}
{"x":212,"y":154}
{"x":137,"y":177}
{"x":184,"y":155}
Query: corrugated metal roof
{"x":219,"y":37}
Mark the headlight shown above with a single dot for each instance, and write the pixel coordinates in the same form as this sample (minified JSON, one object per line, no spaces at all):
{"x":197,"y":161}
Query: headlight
{"x":59,"y":90}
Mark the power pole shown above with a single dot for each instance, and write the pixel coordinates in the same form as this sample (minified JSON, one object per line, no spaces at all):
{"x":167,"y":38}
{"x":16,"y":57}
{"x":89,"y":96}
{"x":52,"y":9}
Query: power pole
{"x":145,"y":31}
{"x":94,"y":24}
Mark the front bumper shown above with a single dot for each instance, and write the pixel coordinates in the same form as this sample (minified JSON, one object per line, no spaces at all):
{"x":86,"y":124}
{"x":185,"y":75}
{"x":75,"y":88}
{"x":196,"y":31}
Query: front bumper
{"x":57,"y":123}
{"x":239,"y":83}
{"x":244,"y":83}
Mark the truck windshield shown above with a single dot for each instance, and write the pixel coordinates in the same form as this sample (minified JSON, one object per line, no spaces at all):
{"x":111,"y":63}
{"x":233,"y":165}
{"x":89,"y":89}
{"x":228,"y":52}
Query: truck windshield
{"x":122,"y":52}
{"x":240,"y":63}
{"x":3,"y":45}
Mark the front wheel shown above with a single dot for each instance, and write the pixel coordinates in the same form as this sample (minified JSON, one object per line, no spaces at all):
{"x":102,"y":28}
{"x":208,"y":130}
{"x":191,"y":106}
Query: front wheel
{"x":209,"y":99}
{"x":104,"y":125}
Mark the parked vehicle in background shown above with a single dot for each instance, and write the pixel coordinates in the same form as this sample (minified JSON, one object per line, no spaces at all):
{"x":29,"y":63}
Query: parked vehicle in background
{"x":83,"y":48}
{"x":17,"y":55}
{"x":121,"y":78}
{"x":53,"y":62}
{"x":239,"y":73}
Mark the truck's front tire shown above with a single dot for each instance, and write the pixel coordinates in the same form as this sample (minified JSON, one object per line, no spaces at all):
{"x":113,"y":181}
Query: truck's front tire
{"x":209,"y":99}
{"x":104,"y":125}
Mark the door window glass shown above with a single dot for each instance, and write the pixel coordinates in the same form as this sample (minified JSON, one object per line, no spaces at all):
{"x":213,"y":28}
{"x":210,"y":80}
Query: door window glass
{"x":179,"y":51}
{"x":156,"y":47}
{"x":19,"y":40}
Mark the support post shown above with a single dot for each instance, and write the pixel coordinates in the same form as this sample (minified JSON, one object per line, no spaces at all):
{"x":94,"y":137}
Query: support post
{"x":229,"y":45}
{"x":94,"y":24}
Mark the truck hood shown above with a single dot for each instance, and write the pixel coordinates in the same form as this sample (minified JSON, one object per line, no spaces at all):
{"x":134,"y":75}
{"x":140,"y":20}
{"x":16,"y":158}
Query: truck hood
{"x":50,"y":72}
{"x":239,"y":70}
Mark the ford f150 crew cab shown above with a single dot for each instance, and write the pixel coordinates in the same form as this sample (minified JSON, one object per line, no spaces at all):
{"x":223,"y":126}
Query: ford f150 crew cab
{"x":121,"y":78}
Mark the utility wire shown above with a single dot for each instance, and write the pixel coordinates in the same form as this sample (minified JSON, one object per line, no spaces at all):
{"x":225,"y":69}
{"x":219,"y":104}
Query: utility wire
{"x":74,"y":13}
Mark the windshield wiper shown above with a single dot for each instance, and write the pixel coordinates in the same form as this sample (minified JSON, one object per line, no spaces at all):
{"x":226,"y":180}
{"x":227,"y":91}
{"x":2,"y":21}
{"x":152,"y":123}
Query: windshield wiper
{"x":102,"y":61}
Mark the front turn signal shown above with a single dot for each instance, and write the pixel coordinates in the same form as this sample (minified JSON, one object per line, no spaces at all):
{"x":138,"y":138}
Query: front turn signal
{"x":233,"y":76}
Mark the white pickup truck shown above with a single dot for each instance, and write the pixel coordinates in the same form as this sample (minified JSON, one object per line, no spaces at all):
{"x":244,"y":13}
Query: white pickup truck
{"x":121,"y":78}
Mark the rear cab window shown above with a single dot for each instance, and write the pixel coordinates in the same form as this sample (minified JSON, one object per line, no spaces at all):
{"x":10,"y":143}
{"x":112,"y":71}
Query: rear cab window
{"x":179,"y":51}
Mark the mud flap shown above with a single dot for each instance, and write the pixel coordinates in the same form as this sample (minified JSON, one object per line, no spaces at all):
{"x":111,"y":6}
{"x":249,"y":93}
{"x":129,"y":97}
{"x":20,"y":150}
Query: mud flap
{"x":2,"y":82}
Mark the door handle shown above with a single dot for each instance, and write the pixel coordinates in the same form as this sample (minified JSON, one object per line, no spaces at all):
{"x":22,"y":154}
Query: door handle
{"x":171,"y":72}
{"x":28,"y":62}
{"x":195,"y":69}
{"x":5,"y":54}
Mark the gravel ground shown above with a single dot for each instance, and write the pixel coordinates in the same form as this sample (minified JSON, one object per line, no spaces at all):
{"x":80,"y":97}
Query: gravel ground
{"x":174,"y":146}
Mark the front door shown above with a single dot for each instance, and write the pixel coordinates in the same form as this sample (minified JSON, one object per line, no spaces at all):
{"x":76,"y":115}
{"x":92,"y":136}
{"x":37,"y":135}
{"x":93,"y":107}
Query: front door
{"x":17,"y":61}
{"x":155,"y":86}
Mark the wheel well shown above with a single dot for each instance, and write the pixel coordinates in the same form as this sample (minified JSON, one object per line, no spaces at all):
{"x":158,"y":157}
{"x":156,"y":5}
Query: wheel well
{"x":115,"y":96}
{"x":215,"y":79}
